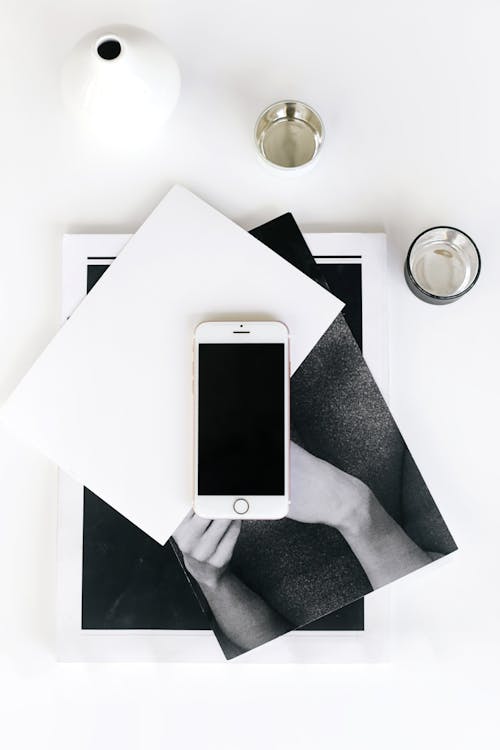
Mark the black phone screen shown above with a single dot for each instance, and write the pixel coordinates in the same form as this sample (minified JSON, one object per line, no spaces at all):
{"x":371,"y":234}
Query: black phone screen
{"x":241,"y":419}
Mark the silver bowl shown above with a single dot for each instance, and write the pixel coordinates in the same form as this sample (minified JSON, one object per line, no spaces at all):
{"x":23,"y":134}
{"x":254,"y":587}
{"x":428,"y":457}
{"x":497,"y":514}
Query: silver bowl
{"x":289,"y":134}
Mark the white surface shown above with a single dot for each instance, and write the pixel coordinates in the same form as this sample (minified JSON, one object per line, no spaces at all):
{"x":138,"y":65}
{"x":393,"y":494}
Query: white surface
{"x":110,"y":398}
{"x":408,"y":93}
{"x":75,"y":644}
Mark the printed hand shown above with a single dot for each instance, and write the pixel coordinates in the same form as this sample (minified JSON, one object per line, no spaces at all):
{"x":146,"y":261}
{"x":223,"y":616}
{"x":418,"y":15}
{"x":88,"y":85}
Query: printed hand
{"x":321,"y":493}
{"x":207,"y":547}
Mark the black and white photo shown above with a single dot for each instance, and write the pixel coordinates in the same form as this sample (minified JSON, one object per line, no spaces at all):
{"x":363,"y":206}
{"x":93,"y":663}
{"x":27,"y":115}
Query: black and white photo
{"x":361,"y":515}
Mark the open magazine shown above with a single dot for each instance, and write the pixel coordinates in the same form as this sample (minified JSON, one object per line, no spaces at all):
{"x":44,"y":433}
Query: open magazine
{"x":122,"y":582}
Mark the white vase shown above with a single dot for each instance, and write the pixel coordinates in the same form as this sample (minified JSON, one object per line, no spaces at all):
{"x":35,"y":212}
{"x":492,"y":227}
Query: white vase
{"x":121,"y":83}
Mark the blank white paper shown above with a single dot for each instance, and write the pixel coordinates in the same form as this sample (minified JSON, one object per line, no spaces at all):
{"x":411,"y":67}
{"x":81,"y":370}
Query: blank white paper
{"x":110,"y":399}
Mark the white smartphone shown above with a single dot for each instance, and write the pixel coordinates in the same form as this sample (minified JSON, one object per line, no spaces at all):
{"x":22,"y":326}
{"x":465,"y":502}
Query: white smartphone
{"x":241,"y":387}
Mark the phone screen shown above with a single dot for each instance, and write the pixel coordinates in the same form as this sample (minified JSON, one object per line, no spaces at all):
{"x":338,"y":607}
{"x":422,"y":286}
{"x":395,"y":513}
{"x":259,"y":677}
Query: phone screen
{"x":241,"y":419}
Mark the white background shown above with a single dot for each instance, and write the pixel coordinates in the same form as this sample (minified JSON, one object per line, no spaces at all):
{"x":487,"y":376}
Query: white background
{"x":409,"y":95}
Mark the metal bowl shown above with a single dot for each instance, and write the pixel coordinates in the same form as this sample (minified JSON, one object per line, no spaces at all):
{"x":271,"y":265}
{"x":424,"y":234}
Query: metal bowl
{"x":289,"y":134}
{"x":443,"y":264}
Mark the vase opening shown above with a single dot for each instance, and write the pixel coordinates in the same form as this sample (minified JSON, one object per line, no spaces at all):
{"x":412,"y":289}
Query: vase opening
{"x":109,"y":48}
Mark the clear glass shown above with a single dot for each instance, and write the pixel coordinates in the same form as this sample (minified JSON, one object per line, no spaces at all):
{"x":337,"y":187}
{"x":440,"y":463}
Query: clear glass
{"x":443,"y":263}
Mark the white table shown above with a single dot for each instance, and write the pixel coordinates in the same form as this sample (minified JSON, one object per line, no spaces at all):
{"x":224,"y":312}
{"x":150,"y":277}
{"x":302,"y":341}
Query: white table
{"x":409,"y":96}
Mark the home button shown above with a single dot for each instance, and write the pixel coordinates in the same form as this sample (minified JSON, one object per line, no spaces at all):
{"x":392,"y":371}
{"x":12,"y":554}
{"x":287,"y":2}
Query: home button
{"x":241,"y":506}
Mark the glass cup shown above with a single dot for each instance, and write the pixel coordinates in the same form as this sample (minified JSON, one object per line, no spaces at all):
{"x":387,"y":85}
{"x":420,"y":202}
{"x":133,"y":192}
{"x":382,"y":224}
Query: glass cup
{"x":443,"y":264}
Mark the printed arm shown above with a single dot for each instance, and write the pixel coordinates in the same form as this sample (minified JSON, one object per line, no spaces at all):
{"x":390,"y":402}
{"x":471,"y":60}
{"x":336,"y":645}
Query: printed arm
{"x":241,"y":614}
{"x":321,"y":493}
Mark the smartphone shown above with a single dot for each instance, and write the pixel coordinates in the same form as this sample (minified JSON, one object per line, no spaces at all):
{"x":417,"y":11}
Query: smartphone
{"x":241,"y":387}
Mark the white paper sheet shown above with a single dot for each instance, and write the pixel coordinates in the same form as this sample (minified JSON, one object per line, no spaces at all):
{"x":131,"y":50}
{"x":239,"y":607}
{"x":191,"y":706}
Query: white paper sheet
{"x":76,"y":644}
{"x":109,"y":399}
